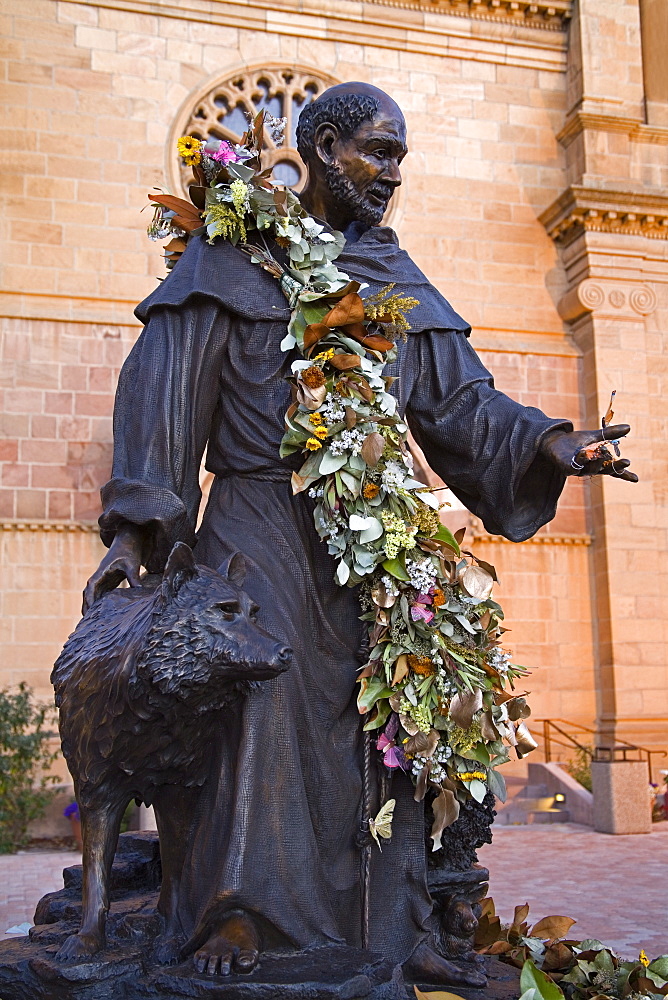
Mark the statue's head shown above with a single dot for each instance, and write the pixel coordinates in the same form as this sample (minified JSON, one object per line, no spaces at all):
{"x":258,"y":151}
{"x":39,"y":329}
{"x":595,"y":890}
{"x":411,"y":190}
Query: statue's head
{"x":352,"y":139}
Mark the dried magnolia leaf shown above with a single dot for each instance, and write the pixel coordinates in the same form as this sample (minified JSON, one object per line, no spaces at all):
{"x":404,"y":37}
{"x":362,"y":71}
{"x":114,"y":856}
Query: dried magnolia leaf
{"x":421,"y":783}
{"x":351,"y":418}
{"x":372,"y":448}
{"x":395,"y":703}
{"x":552,"y":927}
{"x":440,"y":995}
{"x":517,"y":709}
{"x":477,"y":582}
{"x":400,"y":670}
{"x":312,"y":399}
{"x":345,"y":361}
{"x":372,"y":341}
{"x":382,"y":599}
{"x":525,"y":741}
{"x":464,"y":706}
{"x":499,"y":948}
{"x":459,"y":535}
{"x":423,"y":743}
{"x":405,"y":720}
{"x":487,"y":727}
{"x":313,"y":333}
{"x":349,"y":309}
{"x":520,"y":915}
{"x":446,"y":810}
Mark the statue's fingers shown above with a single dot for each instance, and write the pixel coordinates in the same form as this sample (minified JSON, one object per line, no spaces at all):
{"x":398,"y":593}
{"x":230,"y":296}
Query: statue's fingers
{"x":615,"y":431}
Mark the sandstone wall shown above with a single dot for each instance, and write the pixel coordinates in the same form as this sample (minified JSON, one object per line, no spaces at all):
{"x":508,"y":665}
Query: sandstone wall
{"x":92,"y":93}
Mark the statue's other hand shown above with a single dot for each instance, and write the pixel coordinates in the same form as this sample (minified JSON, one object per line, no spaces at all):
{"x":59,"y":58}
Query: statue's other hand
{"x":586,"y":453}
{"x":122,"y":562}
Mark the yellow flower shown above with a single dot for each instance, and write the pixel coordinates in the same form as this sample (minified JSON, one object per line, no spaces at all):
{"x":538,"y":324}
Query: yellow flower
{"x":642,"y":958}
{"x":438,"y":599}
{"x":370,"y":491}
{"x":315,"y":419}
{"x":470,"y":775}
{"x":320,"y":433}
{"x":190,"y":149}
{"x":313,"y":444}
{"x":325,"y":355}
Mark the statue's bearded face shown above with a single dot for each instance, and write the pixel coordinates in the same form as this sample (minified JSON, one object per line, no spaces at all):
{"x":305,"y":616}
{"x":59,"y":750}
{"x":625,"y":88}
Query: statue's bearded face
{"x":364,"y":170}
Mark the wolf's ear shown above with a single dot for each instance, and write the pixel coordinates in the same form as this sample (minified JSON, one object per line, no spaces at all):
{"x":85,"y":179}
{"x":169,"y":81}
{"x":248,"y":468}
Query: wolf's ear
{"x":180,"y":568}
{"x":234,"y":569}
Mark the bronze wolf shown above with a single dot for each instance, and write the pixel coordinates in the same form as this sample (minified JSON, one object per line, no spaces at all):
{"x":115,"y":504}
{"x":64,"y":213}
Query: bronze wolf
{"x":140,"y":685}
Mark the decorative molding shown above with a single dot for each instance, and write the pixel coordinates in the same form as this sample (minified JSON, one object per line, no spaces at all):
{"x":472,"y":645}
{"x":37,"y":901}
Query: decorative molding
{"x":627,"y":213}
{"x":507,"y":32}
{"x":553,"y":16}
{"x":59,"y":527}
{"x":637,"y":131}
{"x":69,"y":309}
{"x":612,"y":298}
{"x":483,"y":536}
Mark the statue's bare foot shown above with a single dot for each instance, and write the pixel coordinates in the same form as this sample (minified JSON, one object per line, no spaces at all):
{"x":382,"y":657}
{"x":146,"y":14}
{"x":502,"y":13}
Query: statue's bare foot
{"x":233,"y":947}
{"x":426,"y":966}
{"x":81,"y":945}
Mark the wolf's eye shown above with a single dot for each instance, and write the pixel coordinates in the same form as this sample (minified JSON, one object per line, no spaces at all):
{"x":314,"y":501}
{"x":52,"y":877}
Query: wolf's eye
{"x":228,"y":610}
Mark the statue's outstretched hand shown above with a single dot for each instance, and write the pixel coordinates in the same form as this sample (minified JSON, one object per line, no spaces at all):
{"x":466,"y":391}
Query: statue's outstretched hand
{"x":122,"y":562}
{"x":587,"y":453}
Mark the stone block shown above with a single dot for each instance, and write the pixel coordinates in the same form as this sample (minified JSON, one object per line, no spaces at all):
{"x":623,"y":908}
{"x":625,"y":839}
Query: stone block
{"x":621,"y":799}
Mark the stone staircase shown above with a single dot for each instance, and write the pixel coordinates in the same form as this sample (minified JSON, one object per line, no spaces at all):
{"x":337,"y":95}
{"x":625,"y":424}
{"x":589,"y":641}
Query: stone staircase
{"x":548,"y":795}
{"x":532,"y":804}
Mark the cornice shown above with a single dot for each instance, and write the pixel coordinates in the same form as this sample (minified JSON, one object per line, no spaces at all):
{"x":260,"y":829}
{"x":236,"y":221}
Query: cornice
{"x":92,"y":527}
{"x":626,"y":213}
{"x":483,"y":536}
{"x":59,"y":527}
{"x":552,"y":16}
{"x":511,"y":32}
{"x":582,"y":121}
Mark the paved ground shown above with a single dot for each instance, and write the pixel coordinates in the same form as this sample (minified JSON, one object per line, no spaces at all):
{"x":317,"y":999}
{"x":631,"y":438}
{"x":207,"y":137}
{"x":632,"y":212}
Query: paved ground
{"x":614,"y":886}
{"x":25,"y":878}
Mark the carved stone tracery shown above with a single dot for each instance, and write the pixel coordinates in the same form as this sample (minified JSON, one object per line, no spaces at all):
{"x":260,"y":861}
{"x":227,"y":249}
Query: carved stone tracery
{"x":222,"y":109}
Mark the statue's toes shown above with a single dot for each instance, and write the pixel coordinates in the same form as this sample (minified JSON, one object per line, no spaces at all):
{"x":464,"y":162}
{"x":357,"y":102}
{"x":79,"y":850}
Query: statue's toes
{"x":246,"y":960}
{"x":78,"y":946}
{"x":215,"y":958}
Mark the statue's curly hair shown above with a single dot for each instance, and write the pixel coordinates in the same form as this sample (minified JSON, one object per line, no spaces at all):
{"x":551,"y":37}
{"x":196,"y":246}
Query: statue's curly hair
{"x":346,"y":111}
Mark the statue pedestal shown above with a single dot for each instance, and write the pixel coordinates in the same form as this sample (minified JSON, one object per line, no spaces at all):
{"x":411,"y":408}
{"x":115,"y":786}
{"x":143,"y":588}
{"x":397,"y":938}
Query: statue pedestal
{"x":125,"y":970}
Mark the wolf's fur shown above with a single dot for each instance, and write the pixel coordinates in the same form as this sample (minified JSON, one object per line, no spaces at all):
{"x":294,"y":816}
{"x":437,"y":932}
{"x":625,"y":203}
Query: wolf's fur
{"x":140,"y":685}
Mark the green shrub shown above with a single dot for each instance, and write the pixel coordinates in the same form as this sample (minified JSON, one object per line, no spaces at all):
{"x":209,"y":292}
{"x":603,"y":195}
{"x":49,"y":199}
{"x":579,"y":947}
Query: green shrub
{"x":25,"y":759}
{"x":580,"y":767}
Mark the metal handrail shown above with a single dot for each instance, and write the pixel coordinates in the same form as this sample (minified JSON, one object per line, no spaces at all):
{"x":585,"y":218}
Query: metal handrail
{"x":622,"y":748}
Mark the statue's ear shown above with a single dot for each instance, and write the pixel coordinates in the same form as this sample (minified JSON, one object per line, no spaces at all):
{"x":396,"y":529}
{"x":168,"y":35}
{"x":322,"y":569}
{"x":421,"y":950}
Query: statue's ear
{"x":234,"y":569}
{"x":180,"y":568}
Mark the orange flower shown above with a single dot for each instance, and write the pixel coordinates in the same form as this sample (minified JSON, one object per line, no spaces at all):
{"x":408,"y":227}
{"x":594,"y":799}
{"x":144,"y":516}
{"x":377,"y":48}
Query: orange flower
{"x":438,"y":600}
{"x":370,"y":491}
{"x":313,"y":377}
{"x":421,"y":665}
{"x":320,"y":433}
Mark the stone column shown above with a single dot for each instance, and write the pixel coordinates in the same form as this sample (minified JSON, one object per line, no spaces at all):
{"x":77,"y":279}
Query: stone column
{"x":611,"y":226}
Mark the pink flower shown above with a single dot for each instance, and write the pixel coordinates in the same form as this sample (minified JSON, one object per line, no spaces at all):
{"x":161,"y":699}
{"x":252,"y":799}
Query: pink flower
{"x":418,"y":611}
{"x":225,"y":154}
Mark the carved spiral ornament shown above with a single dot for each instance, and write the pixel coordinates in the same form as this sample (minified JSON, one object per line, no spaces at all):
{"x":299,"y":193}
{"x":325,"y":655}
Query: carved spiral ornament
{"x":591,"y":295}
{"x":221,"y":109}
{"x":643,"y":300}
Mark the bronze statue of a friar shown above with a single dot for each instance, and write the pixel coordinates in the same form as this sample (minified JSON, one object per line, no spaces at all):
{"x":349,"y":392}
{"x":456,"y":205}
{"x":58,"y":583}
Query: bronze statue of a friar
{"x":273,"y":857}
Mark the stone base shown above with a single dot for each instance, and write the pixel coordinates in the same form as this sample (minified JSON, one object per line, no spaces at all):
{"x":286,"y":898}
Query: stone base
{"x":621,"y":799}
{"x":126,"y":969}
{"x":29,"y":971}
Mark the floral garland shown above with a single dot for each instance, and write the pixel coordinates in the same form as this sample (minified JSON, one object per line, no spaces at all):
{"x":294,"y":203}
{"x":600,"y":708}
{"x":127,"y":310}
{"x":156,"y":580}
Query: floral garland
{"x":435,"y":681}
